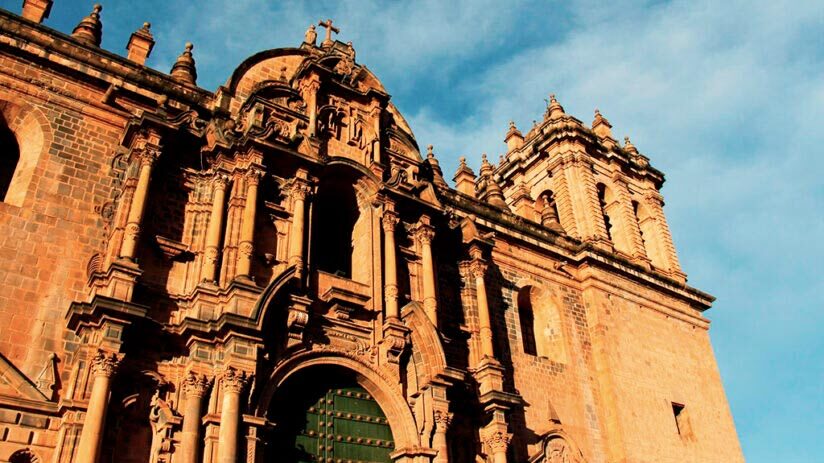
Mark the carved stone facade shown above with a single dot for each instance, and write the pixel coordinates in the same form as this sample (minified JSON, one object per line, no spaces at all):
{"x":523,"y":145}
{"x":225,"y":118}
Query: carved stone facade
{"x":183,"y":269}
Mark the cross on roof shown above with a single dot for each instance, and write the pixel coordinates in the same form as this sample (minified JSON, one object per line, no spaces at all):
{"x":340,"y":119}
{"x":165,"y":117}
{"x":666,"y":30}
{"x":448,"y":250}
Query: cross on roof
{"x":329,"y":29}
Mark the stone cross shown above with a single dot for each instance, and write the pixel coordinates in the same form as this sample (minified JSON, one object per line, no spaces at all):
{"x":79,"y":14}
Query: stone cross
{"x":329,"y":29}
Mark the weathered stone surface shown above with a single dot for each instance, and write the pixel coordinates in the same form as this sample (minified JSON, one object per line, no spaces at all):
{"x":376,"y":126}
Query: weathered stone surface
{"x":182,"y":259}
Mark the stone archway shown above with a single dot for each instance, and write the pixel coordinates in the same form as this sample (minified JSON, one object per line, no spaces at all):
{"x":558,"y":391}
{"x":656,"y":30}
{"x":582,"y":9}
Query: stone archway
{"x":338,"y":368}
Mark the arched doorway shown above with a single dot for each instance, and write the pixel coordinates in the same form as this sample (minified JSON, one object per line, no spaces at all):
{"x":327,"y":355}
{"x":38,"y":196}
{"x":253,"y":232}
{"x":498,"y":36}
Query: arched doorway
{"x":322,"y":414}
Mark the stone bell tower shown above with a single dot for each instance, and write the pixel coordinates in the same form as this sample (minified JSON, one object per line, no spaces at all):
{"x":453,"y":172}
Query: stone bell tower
{"x":580,"y":181}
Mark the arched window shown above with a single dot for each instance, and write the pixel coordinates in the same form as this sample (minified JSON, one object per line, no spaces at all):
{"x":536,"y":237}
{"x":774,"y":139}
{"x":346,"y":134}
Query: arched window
{"x":21,"y":142}
{"x":541,"y":324}
{"x":9,"y":157}
{"x":547,"y":208}
{"x":614,"y":219}
{"x":342,"y":229}
{"x":649,"y":235}
{"x":602,"y":202}
{"x":23,"y":456}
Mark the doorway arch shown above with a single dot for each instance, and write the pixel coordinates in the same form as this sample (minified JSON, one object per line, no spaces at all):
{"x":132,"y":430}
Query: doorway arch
{"x":329,"y":364}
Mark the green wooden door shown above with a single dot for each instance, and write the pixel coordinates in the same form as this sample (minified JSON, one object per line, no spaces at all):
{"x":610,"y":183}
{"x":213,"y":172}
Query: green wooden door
{"x":340,"y":424}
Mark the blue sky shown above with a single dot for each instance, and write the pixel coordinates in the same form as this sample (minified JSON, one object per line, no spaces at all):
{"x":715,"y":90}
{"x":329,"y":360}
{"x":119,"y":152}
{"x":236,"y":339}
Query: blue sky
{"x":727,"y":98}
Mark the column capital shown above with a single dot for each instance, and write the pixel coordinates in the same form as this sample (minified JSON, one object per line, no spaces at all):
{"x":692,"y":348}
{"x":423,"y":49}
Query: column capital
{"x":253,"y":175}
{"x":196,"y":385}
{"x":233,"y":380}
{"x":300,"y":189}
{"x":424,"y":233}
{"x":442,"y":420}
{"x":105,"y":364}
{"x":220,"y":180}
{"x":498,"y":441}
{"x":477,"y":267}
{"x":389,"y":220}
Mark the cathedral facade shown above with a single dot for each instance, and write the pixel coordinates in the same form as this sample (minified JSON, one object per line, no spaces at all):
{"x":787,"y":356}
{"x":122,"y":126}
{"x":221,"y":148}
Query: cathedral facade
{"x":276,"y":272}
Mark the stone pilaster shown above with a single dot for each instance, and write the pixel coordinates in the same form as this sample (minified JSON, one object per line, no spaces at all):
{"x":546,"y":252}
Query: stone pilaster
{"x":390,"y":266}
{"x":655,"y":202}
{"x":477,"y":268}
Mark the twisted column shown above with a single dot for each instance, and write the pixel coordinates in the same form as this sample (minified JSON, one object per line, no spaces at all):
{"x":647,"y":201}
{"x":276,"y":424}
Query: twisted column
{"x":194,"y":389}
{"x":213,"y":232}
{"x":247,"y":231}
{"x":103,"y":368}
{"x":232,"y":382}
{"x":390,"y":289}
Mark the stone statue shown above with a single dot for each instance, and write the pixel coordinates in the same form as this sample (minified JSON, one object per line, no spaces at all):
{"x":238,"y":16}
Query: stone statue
{"x":558,"y":451}
{"x":311,"y":35}
{"x":160,"y":416}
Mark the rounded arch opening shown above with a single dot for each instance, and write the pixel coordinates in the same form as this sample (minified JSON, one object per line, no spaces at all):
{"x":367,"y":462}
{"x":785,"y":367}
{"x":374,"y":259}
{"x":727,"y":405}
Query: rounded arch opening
{"x":342,"y":224}
{"x":542,"y":330}
{"x":328,"y":367}
{"x":22,"y":140}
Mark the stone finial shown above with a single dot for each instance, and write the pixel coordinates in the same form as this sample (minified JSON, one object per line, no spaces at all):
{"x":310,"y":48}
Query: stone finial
{"x":513,"y":139}
{"x":311,"y":35}
{"x":554,"y":110}
{"x":464,"y":178}
{"x":629,"y":147}
{"x":327,"y":42}
{"x":90,"y":29}
{"x":184,"y":68}
{"x":437,"y":173}
{"x":140,"y":44}
{"x":601,"y":126}
{"x":36,"y":10}
{"x":488,"y":188}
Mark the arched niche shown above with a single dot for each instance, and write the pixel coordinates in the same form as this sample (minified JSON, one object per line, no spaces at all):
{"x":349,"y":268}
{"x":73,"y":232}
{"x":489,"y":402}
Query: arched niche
{"x":24,"y":135}
{"x":542,"y":331}
{"x":344,"y":223}
{"x":384,"y":391}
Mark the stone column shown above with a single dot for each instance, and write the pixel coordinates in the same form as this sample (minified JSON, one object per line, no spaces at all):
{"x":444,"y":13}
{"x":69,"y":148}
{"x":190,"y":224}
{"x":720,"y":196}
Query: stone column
{"x":390,"y":265}
{"x":439,"y":443}
{"x":497,"y":443}
{"x":477,"y":267}
{"x":300,"y":191}
{"x":424,"y":234}
{"x":194,"y":389}
{"x":247,"y":231}
{"x":215,"y":228}
{"x":146,"y":156}
{"x":311,"y":97}
{"x":103,"y":368}
{"x":232,"y":382}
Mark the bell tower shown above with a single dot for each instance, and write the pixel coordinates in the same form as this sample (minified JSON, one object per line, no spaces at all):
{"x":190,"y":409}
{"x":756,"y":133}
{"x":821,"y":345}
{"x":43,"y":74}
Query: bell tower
{"x":580,"y":181}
